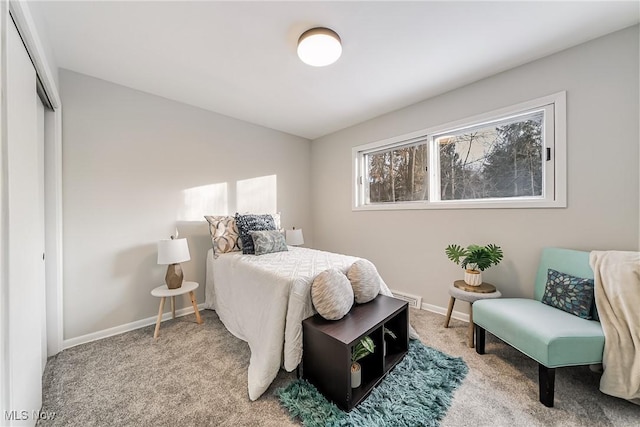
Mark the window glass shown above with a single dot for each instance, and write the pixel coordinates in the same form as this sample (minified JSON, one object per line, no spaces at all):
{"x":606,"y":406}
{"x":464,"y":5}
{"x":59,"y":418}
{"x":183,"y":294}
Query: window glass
{"x":501,"y":159}
{"x":514,"y":157}
{"x":397,"y":175}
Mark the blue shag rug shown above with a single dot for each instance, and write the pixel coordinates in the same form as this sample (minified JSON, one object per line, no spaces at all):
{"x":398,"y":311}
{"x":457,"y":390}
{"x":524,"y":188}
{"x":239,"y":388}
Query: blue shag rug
{"x":417,"y":392}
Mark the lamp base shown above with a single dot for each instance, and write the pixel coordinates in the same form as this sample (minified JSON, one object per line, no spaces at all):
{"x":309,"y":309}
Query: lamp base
{"x":174,"y":276}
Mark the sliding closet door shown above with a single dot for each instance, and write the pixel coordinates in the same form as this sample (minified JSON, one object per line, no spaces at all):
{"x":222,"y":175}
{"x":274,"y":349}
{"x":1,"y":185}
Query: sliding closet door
{"x":42,"y":291}
{"x":25,"y":236}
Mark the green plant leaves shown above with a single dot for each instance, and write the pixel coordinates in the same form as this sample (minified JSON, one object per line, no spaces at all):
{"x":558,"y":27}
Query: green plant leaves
{"x":475,"y":257}
{"x":455,"y":252}
{"x":389,"y":332}
{"x":364,"y":347}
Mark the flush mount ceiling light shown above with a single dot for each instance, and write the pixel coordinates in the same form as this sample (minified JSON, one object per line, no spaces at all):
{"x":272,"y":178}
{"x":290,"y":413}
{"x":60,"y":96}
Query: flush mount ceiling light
{"x":319,"y":47}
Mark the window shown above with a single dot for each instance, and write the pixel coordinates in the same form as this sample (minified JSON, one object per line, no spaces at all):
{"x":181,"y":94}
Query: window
{"x":511,"y":158}
{"x":397,"y":174}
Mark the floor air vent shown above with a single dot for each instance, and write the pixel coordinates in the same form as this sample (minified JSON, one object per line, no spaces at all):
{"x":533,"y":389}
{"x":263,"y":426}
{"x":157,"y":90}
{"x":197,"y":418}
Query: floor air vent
{"x":414,"y":300}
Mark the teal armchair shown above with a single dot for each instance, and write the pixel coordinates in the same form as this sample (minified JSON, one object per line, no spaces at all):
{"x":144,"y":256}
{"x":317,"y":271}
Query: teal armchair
{"x":551,"y":337}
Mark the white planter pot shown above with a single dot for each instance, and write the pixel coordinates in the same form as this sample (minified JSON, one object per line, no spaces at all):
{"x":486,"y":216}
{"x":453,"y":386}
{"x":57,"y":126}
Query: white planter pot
{"x":356,"y":375}
{"x":473,"y":277}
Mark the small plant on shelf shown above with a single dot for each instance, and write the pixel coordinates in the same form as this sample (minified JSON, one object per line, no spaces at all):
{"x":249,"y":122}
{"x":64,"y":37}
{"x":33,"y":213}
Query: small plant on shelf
{"x":474,"y":259}
{"x":387,"y":333}
{"x":363,"y":348}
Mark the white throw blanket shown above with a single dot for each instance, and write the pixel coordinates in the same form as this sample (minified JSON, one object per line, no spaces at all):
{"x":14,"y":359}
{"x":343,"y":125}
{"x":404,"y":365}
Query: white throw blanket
{"x":617,"y":293}
{"x":263,"y":299}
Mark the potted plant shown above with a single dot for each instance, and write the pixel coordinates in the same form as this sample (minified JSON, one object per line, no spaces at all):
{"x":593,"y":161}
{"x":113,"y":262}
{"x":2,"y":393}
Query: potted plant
{"x":363,"y":348}
{"x":474,"y":259}
{"x":387,"y":333}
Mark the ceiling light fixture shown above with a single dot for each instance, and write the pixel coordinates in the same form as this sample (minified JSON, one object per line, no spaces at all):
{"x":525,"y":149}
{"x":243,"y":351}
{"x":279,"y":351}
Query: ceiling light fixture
{"x":319,"y":47}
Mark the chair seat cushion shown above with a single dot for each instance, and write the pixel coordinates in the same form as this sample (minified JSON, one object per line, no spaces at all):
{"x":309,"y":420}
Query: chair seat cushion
{"x":550,"y":336}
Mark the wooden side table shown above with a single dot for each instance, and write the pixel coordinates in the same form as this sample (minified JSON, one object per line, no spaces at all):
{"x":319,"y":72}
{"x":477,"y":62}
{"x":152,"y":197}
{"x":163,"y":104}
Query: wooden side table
{"x":471,"y":294}
{"x":163,"y":292}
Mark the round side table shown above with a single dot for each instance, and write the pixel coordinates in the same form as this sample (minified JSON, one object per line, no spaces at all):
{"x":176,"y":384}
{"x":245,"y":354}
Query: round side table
{"x":163,"y":292}
{"x":460,"y":290}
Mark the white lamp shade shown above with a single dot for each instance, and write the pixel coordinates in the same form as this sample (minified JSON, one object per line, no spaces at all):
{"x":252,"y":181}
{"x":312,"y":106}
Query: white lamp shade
{"x":319,"y":47}
{"x":173,"y":251}
{"x":294,"y":237}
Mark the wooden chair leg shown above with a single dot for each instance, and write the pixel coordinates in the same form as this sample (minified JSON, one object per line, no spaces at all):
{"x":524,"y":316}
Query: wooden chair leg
{"x":452,"y":301}
{"x":546,"y":381}
{"x":479,"y":339}
{"x":160,"y":310}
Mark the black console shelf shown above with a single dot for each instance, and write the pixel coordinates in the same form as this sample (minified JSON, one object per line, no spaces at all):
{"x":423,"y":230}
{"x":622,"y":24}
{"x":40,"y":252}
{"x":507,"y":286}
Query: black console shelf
{"x":327,"y":347}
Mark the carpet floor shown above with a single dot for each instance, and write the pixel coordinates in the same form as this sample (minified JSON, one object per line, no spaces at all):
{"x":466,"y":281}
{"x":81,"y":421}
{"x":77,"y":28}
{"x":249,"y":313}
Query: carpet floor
{"x":196,"y":375}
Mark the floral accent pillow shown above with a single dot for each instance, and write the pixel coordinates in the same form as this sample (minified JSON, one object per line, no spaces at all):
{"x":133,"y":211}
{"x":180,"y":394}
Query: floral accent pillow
{"x":248,"y":223}
{"x":268,"y":241}
{"x":224,"y":234}
{"x":569,"y":293}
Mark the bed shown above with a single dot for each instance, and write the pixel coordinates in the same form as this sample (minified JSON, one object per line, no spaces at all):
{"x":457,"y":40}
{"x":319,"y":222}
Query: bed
{"x":263,"y":299}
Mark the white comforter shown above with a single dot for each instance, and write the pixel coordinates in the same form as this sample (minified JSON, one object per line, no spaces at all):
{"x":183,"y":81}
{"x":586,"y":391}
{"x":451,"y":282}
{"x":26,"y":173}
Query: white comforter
{"x":263,"y":300}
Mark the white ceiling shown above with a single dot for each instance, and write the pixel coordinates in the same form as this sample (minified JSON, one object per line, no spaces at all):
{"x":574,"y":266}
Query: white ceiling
{"x":239,"y":58}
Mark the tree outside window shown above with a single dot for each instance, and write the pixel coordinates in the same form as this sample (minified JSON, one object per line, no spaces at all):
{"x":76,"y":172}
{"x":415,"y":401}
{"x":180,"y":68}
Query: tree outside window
{"x":512,"y":157}
{"x":493,"y":161}
{"x":398,"y":175}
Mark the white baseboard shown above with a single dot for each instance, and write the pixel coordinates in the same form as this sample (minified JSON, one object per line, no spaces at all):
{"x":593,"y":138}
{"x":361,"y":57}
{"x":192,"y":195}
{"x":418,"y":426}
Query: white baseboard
{"x":441,"y":310}
{"x":72,"y":342}
{"x":94,"y":336}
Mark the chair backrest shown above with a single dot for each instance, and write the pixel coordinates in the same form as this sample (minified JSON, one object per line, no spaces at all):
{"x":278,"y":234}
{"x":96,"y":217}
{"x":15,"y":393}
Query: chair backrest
{"x":567,"y":261}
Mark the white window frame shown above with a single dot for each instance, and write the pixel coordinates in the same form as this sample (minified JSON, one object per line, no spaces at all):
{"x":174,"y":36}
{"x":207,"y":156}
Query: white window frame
{"x":554,"y":175}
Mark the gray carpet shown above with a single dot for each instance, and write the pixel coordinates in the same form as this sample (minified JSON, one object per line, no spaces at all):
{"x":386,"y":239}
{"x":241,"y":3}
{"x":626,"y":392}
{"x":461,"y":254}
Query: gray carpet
{"x":195,"y":375}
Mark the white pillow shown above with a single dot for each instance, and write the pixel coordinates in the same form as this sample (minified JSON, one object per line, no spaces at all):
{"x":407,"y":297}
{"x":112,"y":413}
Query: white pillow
{"x":332,"y":294}
{"x":365,"y":280}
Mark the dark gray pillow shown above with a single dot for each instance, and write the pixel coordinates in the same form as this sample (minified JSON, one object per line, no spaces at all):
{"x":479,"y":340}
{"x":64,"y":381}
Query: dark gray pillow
{"x":268,"y":241}
{"x":248,"y":223}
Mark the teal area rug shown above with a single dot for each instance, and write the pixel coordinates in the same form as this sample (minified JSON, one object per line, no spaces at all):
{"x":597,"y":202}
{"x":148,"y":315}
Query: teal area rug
{"x":417,"y":392}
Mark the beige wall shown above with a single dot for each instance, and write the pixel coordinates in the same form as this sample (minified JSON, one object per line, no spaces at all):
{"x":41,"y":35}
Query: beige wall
{"x":47,"y":50}
{"x":127,"y":157}
{"x":601,"y":80}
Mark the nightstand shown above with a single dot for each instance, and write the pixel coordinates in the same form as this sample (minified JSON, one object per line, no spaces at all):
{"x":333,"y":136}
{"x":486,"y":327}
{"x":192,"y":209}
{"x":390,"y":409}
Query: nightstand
{"x":163,"y":292}
{"x":460,"y":290}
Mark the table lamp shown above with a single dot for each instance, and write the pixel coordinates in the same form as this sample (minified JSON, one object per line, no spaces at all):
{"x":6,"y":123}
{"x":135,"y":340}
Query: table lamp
{"x":294,"y":237}
{"x":173,"y":252}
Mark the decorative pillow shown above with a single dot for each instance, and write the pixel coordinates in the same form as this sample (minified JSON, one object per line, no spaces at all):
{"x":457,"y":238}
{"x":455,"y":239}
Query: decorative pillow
{"x":569,"y":293}
{"x":365,"y":280}
{"x":332,"y":294}
{"x":224,"y":234}
{"x":247,"y":223}
{"x":276,"y":220}
{"x":268,"y":241}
